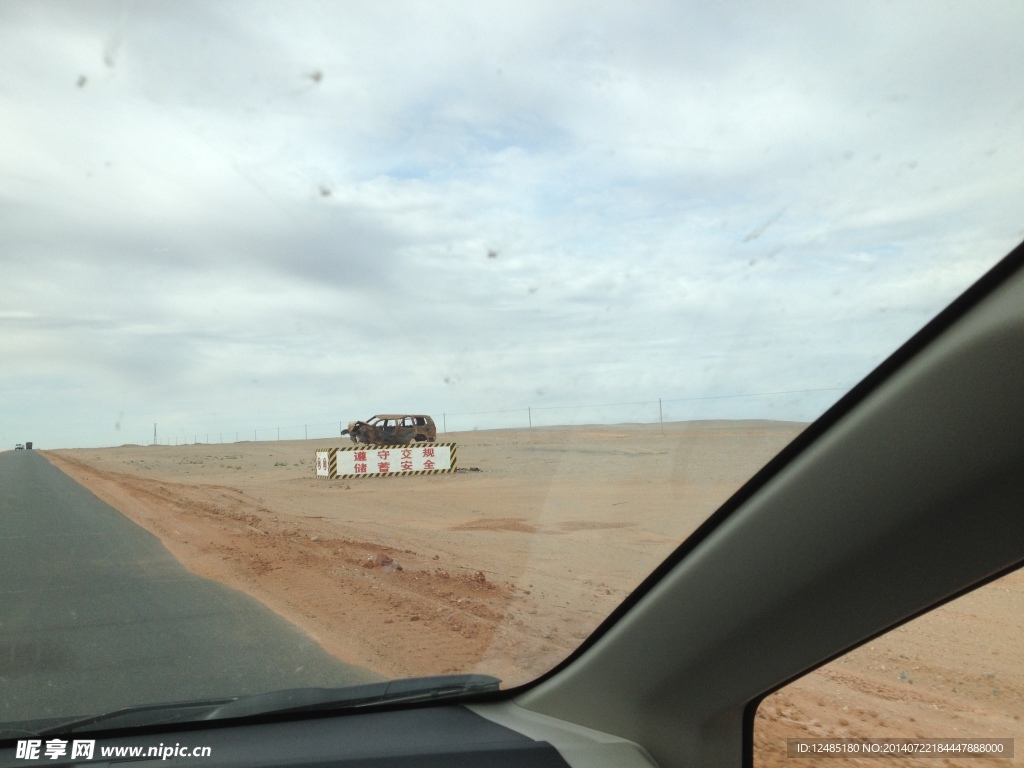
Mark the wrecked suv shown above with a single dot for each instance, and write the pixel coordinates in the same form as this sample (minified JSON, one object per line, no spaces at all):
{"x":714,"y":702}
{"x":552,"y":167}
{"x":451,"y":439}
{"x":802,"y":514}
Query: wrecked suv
{"x":392,"y":429}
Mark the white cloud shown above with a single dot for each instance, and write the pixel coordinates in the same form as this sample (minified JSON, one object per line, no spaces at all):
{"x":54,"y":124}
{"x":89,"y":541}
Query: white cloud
{"x":225,"y":213}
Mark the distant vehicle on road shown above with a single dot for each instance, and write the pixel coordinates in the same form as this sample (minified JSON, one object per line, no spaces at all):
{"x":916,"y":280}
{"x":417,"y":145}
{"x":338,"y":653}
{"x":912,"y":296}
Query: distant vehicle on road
{"x":28,"y":446}
{"x":392,"y":429}
{"x":19,"y":447}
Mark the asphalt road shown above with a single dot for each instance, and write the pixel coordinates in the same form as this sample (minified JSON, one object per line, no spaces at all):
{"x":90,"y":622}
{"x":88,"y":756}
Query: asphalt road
{"x":95,"y":614}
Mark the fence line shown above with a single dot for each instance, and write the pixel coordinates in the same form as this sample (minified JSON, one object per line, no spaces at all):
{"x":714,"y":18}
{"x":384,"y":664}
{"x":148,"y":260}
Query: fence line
{"x":758,"y":394}
{"x":643,"y":411}
{"x":652,"y":411}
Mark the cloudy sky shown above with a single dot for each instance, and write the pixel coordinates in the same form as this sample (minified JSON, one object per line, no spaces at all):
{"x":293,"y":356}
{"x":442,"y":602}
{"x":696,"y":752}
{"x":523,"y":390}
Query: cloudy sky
{"x":223,"y":217}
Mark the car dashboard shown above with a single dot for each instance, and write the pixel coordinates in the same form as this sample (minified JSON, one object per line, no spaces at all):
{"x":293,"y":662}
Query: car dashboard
{"x":493,"y":735}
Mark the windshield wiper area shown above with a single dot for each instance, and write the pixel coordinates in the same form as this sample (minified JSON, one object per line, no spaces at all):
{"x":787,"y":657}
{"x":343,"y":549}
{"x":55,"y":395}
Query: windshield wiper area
{"x":295,"y":700}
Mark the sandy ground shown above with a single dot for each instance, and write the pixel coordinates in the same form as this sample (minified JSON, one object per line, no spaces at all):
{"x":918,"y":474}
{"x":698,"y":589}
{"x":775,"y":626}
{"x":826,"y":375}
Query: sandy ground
{"x":957,"y":671}
{"x":506,"y":569}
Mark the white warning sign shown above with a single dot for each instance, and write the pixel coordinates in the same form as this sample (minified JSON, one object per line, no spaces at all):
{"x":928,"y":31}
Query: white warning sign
{"x":366,"y":460}
{"x":323,"y":463}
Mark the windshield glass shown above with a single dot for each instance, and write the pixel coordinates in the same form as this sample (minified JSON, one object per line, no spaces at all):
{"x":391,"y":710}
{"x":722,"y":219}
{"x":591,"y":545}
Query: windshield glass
{"x":352,"y":342}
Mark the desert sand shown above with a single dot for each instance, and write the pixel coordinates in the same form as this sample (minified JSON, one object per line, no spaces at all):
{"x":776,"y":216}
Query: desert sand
{"x":505,"y":566}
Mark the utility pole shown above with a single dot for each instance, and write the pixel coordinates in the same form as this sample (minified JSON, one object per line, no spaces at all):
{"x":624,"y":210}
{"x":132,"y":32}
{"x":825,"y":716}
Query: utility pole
{"x":529,"y":417}
{"x":154,"y":433}
{"x":661,"y":418}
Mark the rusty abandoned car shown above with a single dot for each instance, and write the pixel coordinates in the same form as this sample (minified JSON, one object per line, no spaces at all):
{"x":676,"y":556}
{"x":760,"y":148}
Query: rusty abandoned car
{"x":392,"y":429}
